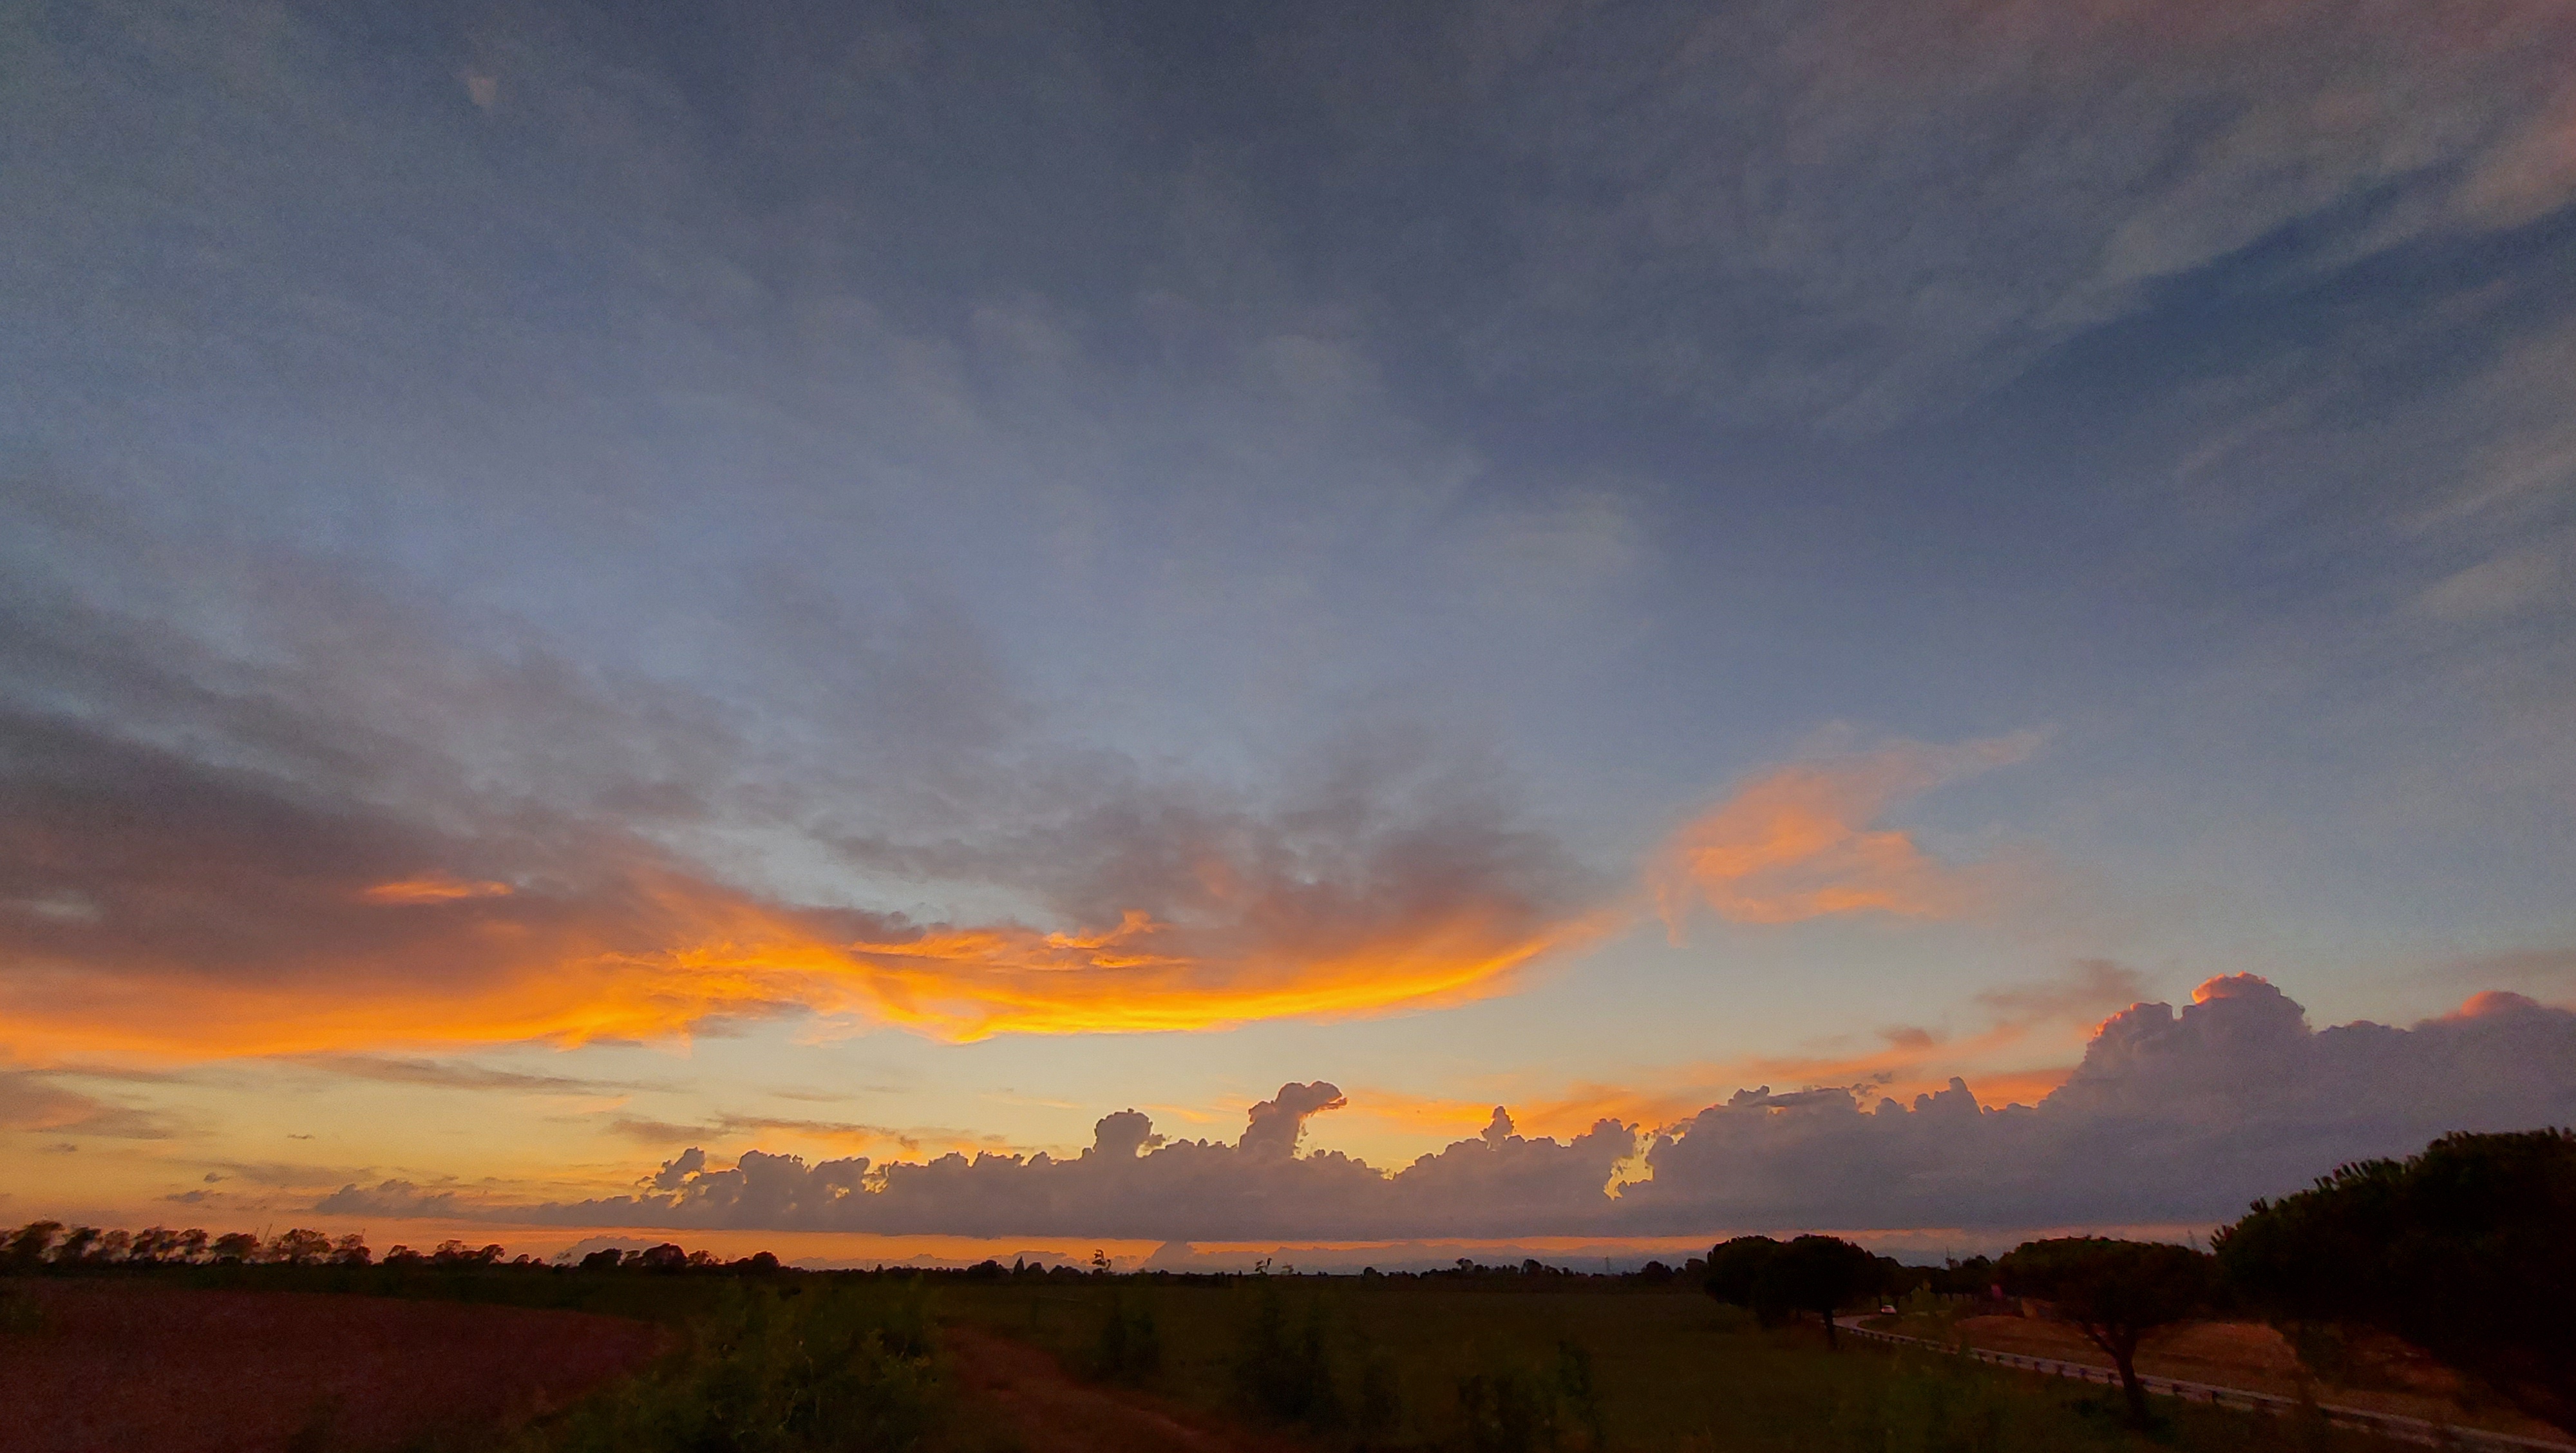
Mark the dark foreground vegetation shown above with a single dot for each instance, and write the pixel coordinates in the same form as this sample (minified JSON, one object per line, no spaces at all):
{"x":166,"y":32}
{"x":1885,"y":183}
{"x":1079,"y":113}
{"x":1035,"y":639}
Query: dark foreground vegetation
{"x":2462,"y":1250}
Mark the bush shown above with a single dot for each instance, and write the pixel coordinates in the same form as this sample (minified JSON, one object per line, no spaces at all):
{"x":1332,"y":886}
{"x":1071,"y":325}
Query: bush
{"x":1130,"y":1346}
{"x":1520,"y":1410}
{"x":1283,"y":1371}
{"x":836,"y":1367}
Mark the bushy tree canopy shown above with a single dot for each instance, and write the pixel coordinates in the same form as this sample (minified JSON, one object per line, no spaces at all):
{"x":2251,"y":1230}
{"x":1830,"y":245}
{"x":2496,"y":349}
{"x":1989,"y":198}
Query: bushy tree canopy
{"x":2114,"y":1291}
{"x":1810,"y":1274}
{"x":2465,"y":1250}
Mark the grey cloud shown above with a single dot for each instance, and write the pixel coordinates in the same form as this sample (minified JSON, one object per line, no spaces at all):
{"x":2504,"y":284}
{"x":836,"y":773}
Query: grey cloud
{"x":2089,"y":987}
{"x":289,"y":1175}
{"x":30,"y":1101}
{"x":399,"y":1198}
{"x":734,"y":1126}
{"x":447,"y":1075}
{"x":337,"y":736}
{"x":1279,"y":1122}
{"x":1121,"y":1134}
{"x":2172,"y":1118}
{"x":676,"y":1172}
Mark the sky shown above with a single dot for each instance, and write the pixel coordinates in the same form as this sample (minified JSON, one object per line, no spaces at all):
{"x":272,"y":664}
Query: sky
{"x":890,"y":630}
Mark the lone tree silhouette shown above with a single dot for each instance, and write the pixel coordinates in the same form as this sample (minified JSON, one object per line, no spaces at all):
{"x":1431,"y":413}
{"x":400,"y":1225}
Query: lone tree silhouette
{"x":1735,"y":1271}
{"x":2114,"y":1291}
{"x":1810,"y":1274}
{"x":2463,"y":1250}
{"x":1818,"y":1274}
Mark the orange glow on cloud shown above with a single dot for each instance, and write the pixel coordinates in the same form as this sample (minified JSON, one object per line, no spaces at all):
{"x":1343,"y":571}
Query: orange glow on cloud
{"x":665,"y":953}
{"x":1910,"y":1063}
{"x":432,"y":890}
{"x":193,"y":954}
{"x":1796,"y":842}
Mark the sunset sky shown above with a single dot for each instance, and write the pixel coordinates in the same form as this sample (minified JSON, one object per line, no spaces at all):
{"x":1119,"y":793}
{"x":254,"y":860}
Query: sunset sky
{"x":590,"y":591}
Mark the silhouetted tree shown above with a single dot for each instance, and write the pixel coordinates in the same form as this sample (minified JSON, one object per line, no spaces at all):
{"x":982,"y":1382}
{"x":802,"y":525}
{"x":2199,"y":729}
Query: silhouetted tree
{"x":350,"y":1250}
{"x":1735,"y":1271}
{"x":236,"y":1246}
{"x":1974,"y":1277}
{"x":2115,"y":1292}
{"x":153,"y":1244}
{"x":2463,"y":1250}
{"x":76,"y":1244}
{"x":604,"y":1259}
{"x":29,"y":1243}
{"x":192,"y":1244}
{"x":300,"y":1246}
{"x":1819,"y":1274}
{"x":665,"y":1257}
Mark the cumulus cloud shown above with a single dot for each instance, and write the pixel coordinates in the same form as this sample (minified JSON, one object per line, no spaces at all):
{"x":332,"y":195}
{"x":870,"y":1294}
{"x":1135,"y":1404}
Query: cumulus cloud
{"x":1278,"y":1123}
{"x":2173,"y":1117}
{"x":1799,"y":841}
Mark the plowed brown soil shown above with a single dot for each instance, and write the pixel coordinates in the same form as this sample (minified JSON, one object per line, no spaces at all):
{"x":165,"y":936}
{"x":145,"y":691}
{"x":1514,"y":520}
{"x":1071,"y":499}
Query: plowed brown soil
{"x":126,"y":1366}
{"x":1052,"y":1413}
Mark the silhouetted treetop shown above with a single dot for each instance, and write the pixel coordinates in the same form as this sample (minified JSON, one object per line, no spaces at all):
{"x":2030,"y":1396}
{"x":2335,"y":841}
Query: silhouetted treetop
{"x":2464,"y":1250}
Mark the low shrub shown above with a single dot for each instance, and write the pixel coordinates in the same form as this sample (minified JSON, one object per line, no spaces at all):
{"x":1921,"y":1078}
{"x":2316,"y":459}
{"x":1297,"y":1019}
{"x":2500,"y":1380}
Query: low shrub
{"x":801,"y":1371}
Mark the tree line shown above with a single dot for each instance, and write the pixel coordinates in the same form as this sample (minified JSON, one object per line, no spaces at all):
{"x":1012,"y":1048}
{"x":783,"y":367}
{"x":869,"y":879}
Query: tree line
{"x":50,"y":1244}
{"x":2467,"y":1250}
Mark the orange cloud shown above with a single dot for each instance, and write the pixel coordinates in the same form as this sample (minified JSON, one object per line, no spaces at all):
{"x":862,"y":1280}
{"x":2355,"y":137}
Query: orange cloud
{"x":432,"y":890}
{"x":2033,"y":1017}
{"x":1797,"y":843}
{"x":658,"y":953}
{"x":250,"y":921}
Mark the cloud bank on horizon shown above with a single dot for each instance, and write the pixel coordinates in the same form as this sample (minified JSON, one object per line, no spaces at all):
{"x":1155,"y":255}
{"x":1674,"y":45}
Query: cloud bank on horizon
{"x":2173,"y":1117}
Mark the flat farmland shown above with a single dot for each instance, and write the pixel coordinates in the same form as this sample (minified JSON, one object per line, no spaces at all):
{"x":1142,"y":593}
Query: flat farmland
{"x":187,"y":1370}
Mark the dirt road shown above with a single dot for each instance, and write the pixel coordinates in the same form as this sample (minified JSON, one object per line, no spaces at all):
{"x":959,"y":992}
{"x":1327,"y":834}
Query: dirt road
{"x":1053,"y":1413}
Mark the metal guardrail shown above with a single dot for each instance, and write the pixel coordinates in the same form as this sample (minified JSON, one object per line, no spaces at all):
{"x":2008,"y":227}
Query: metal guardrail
{"x":2386,"y":1425}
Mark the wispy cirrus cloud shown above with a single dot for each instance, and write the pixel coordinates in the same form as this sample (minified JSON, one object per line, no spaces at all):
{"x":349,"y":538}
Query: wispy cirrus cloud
{"x":848,"y":1134}
{"x":447,"y":1075}
{"x":31,"y":1101}
{"x":1803,"y":840}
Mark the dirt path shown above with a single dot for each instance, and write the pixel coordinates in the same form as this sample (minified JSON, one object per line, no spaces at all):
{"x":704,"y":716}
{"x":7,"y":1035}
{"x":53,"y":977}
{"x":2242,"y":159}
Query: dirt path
{"x":1055,"y":1414}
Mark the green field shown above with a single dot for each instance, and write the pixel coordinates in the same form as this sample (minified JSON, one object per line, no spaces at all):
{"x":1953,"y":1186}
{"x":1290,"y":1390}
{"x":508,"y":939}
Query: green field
{"x":1489,"y":1363}
{"x":1445,"y":1362}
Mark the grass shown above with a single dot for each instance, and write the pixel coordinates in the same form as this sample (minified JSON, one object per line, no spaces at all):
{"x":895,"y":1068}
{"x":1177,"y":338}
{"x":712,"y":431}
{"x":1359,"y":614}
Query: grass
{"x":792,"y":1363}
{"x":1504,"y":1366}
{"x":813,"y":1365}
